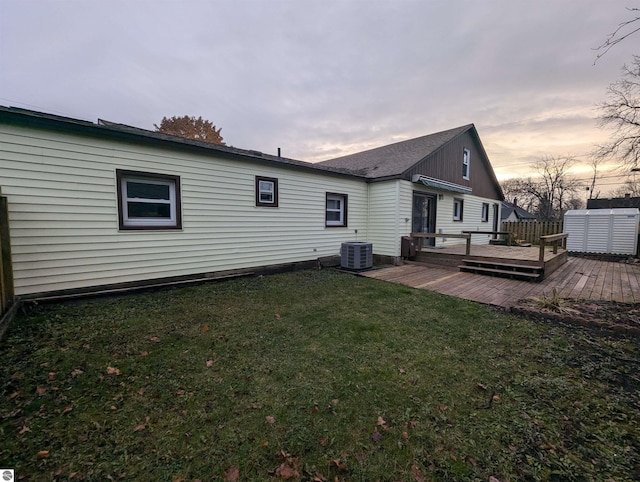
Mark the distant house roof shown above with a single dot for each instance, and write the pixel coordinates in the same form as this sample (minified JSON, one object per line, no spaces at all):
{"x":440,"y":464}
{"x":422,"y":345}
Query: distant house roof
{"x":394,"y":159}
{"x":509,"y":208}
{"x":614,"y":202}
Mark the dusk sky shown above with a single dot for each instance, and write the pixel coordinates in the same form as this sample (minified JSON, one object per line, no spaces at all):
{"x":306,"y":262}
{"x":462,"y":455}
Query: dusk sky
{"x":321,"y":79}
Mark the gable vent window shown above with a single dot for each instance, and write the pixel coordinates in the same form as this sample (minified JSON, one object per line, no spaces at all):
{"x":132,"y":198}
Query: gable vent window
{"x":148,"y":201}
{"x":466,"y":163}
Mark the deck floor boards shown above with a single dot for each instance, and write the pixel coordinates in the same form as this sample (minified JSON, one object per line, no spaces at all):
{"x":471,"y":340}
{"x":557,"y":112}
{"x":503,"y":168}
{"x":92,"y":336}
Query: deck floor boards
{"x":579,"y":278}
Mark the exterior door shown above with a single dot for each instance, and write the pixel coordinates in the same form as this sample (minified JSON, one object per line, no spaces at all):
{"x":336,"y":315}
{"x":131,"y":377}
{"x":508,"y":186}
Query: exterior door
{"x":424,"y":216}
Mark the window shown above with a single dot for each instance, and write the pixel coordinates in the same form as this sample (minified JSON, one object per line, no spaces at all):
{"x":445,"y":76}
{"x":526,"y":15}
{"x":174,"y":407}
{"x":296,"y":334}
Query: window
{"x":148,"y":201}
{"x":336,"y":210}
{"x":457,"y":209}
{"x":485,"y":212}
{"x":266,"y":191}
{"x":466,"y":161}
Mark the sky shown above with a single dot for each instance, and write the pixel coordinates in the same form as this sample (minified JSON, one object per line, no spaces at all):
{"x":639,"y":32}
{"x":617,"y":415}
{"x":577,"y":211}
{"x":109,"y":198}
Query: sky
{"x":322,"y":79}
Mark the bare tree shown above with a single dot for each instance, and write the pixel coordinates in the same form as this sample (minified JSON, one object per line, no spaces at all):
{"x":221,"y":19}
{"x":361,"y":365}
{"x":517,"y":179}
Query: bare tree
{"x":190,"y":128}
{"x":621,"y":112}
{"x":631,"y":187}
{"x":624,"y":30}
{"x":550,"y":192}
{"x":595,"y":166}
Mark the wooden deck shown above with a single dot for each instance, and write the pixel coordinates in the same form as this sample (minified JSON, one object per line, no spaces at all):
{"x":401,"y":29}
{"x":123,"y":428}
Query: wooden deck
{"x":579,"y":278}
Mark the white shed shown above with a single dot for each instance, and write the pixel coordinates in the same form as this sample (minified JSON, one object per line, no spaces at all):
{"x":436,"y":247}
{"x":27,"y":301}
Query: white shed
{"x":611,"y":231}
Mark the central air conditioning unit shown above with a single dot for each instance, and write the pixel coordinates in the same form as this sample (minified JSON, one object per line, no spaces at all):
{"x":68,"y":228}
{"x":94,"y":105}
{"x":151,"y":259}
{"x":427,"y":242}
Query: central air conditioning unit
{"x":356,"y":255}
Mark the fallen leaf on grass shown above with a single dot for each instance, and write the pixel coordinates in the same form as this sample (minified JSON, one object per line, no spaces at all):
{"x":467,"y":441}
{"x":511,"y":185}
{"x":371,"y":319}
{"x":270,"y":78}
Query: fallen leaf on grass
{"x":43,"y":454}
{"x":113,"y":371}
{"x":154,"y":339}
{"x":382,"y":423}
{"x":67,"y":410}
{"x":209,"y":363}
{"x":443,"y":408}
{"x":278,"y":316}
{"x":415,"y":470}
{"x":288,"y":469}
{"x":338,"y":464}
{"x":140,"y":427}
{"x":376,"y":436}
{"x":493,"y":479}
{"x":482,"y":386}
{"x":270,"y":419}
{"x":41,"y":391}
{"x":15,"y":394}
{"x":402,"y":370}
{"x":496,"y":397}
{"x":52,"y":376}
{"x":205,"y":328}
{"x":144,"y":353}
{"x":141,"y":391}
{"x":77,"y":372}
{"x":314,"y":410}
{"x":231,"y":475}
{"x":24,"y":430}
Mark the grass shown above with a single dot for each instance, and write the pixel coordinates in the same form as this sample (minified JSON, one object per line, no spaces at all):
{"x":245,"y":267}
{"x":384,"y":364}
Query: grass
{"x":313,"y":375}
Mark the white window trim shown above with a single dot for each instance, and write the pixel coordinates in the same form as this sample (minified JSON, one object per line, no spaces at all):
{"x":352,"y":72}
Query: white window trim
{"x":270,"y":192}
{"x":342,"y":198}
{"x":127,"y":222}
{"x":466,"y":164}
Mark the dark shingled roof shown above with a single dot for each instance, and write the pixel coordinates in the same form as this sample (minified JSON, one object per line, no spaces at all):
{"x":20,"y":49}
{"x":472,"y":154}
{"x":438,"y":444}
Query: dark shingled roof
{"x":394,"y":159}
{"x":508,"y":208}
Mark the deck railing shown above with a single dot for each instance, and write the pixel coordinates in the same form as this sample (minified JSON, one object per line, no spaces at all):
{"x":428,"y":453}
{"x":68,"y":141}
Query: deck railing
{"x":553,"y":240}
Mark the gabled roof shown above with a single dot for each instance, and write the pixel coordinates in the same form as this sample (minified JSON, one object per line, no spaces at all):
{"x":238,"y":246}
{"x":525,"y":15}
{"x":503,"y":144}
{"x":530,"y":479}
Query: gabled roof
{"x":395,"y":159}
{"x":508,"y":208}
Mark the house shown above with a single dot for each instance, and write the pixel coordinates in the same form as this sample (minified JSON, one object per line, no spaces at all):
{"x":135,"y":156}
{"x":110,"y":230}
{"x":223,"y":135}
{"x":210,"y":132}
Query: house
{"x":613,"y":203}
{"x":102,"y":206}
{"x":511,"y":212}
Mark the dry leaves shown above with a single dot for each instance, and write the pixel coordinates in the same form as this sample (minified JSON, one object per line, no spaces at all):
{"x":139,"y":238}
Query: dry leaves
{"x":43,"y":454}
{"x":77,"y":372}
{"x":154,"y":339}
{"x":415,"y":470}
{"x":270,"y":419}
{"x":231,"y":475}
{"x":113,"y":371}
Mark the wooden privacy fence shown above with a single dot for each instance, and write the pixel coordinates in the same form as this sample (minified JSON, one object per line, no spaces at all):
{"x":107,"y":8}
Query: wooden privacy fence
{"x":532,"y":231}
{"x":6,"y":269}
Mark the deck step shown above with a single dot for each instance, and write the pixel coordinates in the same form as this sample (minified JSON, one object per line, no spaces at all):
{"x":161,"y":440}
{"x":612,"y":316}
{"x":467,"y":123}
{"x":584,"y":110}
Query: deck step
{"x":499,"y":264}
{"x":506,"y":270}
{"x":500,"y":272}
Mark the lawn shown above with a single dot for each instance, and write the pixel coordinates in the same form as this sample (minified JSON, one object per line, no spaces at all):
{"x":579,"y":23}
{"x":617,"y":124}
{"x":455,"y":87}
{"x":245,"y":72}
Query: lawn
{"x":312,"y":375}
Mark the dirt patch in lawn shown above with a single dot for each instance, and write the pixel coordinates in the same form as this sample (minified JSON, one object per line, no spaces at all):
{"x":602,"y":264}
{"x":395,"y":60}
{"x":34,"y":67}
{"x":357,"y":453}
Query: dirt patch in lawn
{"x":607,"y":315}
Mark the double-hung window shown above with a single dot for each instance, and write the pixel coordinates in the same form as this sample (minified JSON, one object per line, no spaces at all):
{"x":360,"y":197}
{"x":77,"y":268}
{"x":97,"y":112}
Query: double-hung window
{"x":336,"y":210}
{"x":148,"y":201}
{"x":458,"y":204}
{"x":466,"y":163}
{"x":266,"y":191}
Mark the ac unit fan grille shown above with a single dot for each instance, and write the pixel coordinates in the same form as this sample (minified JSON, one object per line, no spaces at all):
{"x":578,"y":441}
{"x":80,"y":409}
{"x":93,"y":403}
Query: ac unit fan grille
{"x":356,"y":255}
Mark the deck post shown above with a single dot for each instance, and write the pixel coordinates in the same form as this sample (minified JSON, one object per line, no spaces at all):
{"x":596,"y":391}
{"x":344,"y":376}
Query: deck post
{"x":468,"y":250}
{"x":542,"y":244}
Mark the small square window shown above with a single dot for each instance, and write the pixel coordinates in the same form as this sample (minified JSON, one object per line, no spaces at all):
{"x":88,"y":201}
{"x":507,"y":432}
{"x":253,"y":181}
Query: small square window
{"x":336,"y":210}
{"x":458,"y":205}
{"x":485,"y":212}
{"x":266,"y":191}
{"x":466,"y":163}
{"x":148,"y":201}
